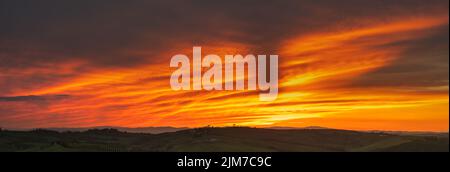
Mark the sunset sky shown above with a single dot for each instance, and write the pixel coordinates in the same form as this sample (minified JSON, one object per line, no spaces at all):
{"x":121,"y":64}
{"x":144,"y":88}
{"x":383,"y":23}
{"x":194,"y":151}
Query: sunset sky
{"x":362,"y":65}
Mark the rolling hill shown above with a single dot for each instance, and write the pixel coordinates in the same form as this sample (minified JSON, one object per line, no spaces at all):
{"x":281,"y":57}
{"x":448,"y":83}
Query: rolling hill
{"x":229,"y":139}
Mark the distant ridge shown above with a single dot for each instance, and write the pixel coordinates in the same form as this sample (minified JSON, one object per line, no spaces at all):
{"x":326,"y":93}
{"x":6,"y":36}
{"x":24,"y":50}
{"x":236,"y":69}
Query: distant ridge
{"x":165,"y":129}
{"x":168,"y":129}
{"x":405,"y":133}
{"x":148,"y":130}
{"x":297,"y":128}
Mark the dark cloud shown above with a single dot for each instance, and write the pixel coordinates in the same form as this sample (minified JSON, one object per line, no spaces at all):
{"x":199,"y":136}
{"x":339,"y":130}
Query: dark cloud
{"x":423,"y":64}
{"x":128,"y":33}
{"x":117,"y":33}
{"x":33,"y":98}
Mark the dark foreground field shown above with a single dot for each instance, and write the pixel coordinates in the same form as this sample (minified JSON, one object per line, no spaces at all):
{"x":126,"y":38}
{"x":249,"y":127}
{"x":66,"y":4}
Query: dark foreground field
{"x":220,"y":139}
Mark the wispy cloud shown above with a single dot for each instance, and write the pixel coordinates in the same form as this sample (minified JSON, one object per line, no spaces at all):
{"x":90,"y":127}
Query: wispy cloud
{"x":348,"y":65}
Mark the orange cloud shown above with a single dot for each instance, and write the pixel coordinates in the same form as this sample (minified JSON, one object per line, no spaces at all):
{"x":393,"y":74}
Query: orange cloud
{"x":315,"y":70}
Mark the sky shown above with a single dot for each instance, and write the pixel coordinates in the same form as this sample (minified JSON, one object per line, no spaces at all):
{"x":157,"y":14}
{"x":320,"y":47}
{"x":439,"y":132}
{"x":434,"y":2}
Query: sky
{"x":359,"y":65}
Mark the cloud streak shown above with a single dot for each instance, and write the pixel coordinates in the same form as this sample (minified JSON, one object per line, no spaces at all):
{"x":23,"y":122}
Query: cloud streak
{"x":338,"y":62}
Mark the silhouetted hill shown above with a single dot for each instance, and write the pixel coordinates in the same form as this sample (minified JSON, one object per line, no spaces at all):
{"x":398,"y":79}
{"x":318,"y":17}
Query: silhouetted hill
{"x":219,"y":139}
{"x":151,"y":130}
{"x":296,"y":128}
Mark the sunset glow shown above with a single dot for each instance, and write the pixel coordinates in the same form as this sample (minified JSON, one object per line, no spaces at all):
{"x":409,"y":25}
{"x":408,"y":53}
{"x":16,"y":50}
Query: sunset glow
{"x":371,"y":72}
